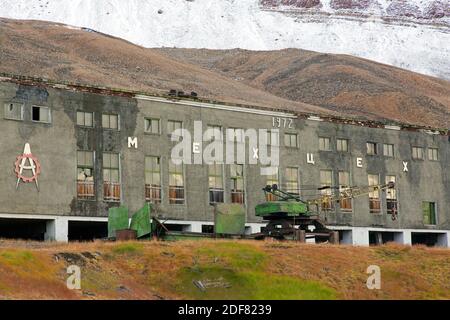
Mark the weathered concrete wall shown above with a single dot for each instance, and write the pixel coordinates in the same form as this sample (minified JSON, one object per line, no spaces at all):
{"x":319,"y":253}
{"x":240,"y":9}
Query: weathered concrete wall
{"x":56,"y":145}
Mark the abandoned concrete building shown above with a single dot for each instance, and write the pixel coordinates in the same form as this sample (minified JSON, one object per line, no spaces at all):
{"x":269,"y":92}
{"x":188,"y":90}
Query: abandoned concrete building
{"x":70,"y":152}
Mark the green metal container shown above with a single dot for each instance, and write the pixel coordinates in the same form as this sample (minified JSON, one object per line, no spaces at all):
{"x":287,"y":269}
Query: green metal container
{"x":229,"y":219}
{"x":141,"y":222}
{"x":117,"y":220}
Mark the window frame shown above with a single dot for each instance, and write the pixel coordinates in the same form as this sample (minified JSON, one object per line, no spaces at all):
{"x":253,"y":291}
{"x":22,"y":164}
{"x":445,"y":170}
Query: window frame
{"x":109,"y":121}
{"x":150,"y":187}
{"x":388,"y":146}
{"x":339,"y":142}
{"x":375,"y":148}
{"x":117,"y":184}
{"x":417,"y":148}
{"x":233,"y":180}
{"x":82,"y":183}
{"x":173,"y":201}
{"x":291,"y":135}
{"x":84,"y":119}
{"x":8,"y":104}
{"x":329,"y":144}
{"x":434,"y":151}
{"x":40,"y":108}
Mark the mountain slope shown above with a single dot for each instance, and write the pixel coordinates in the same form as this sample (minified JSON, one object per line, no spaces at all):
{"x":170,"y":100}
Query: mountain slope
{"x":290,"y":79}
{"x":411,"y":34}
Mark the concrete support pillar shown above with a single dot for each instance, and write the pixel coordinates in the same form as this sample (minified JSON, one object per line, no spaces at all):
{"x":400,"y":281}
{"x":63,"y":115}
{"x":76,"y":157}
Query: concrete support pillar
{"x":57,"y":230}
{"x":346,"y":237}
{"x":443,"y":239}
{"x":360,"y":236}
{"x":196,"y":227}
{"x":406,"y":235}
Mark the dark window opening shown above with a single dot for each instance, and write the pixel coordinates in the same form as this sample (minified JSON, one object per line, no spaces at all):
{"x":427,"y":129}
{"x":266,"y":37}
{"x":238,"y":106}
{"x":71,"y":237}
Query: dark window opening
{"x":25,"y":229}
{"x":36,"y":114}
{"x":87,"y":230}
{"x":379,"y":238}
{"x":428,"y":239}
{"x":206,"y":228}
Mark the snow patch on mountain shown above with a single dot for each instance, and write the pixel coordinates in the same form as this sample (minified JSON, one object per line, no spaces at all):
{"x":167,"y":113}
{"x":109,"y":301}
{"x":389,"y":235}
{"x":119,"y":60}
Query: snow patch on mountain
{"x":411,"y":34}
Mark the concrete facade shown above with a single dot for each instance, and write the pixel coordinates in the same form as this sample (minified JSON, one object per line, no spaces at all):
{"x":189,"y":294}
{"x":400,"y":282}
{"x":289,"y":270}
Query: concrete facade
{"x":56,"y":143}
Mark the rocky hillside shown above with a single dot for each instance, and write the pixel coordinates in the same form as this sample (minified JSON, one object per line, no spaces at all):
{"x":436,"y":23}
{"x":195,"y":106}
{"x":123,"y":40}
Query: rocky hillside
{"x":291,"y":79}
{"x":411,"y":34}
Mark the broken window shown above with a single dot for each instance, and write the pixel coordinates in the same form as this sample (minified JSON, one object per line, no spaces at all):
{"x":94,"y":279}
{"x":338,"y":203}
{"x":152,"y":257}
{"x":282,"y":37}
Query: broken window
{"x":429,"y":212}
{"x":40,"y":114}
{"x":388,"y":150}
{"x":176,"y":183}
{"x":291,"y":180}
{"x":371,"y":148}
{"x":215,"y":180}
{"x":110,"y":121}
{"x":85,"y":175}
{"x":111,"y":177}
{"x":324,"y":144}
{"x":290,"y":140}
{"x":326,"y":182}
{"x":344,"y":187}
{"x":433,"y":154}
{"x":374,"y":195}
{"x":270,"y":181}
{"x":14,"y":111}
{"x":153,"y":126}
{"x":237,"y":183}
{"x":85,"y":119}
{"x":153,"y":179}
{"x":417,"y":153}
{"x":342,"y":145}
{"x":391,"y":197}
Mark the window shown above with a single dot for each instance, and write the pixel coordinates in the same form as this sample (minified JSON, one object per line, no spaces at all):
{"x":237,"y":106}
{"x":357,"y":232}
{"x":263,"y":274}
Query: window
{"x":429,"y":212}
{"x":152,"y":126}
{"x":433,"y":154}
{"x":371,"y":148}
{"x":291,"y":180}
{"x":270,"y":181}
{"x":326,"y":182}
{"x":388,"y":150}
{"x":237,"y":183}
{"x":290,"y":140}
{"x":176,"y":183}
{"x":374,"y":195}
{"x":153,"y":179}
{"x":215,"y":180}
{"x":40,"y":114}
{"x":235,"y":134}
{"x":111,"y":177}
{"x":391,"y":197}
{"x":110,"y":121}
{"x":173,"y":125}
{"x":417,"y":153}
{"x":324,"y":144}
{"x":14,"y":111}
{"x":85,"y":175}
{"x":273,"y":138}
{"x":215,"y":133}
{"x":85,"y":119}
{"x":344,"y":187}
{"x":342,"y":145}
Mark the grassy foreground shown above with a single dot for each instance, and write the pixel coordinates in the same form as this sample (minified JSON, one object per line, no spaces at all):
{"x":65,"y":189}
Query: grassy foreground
{"x":221,"y":269}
